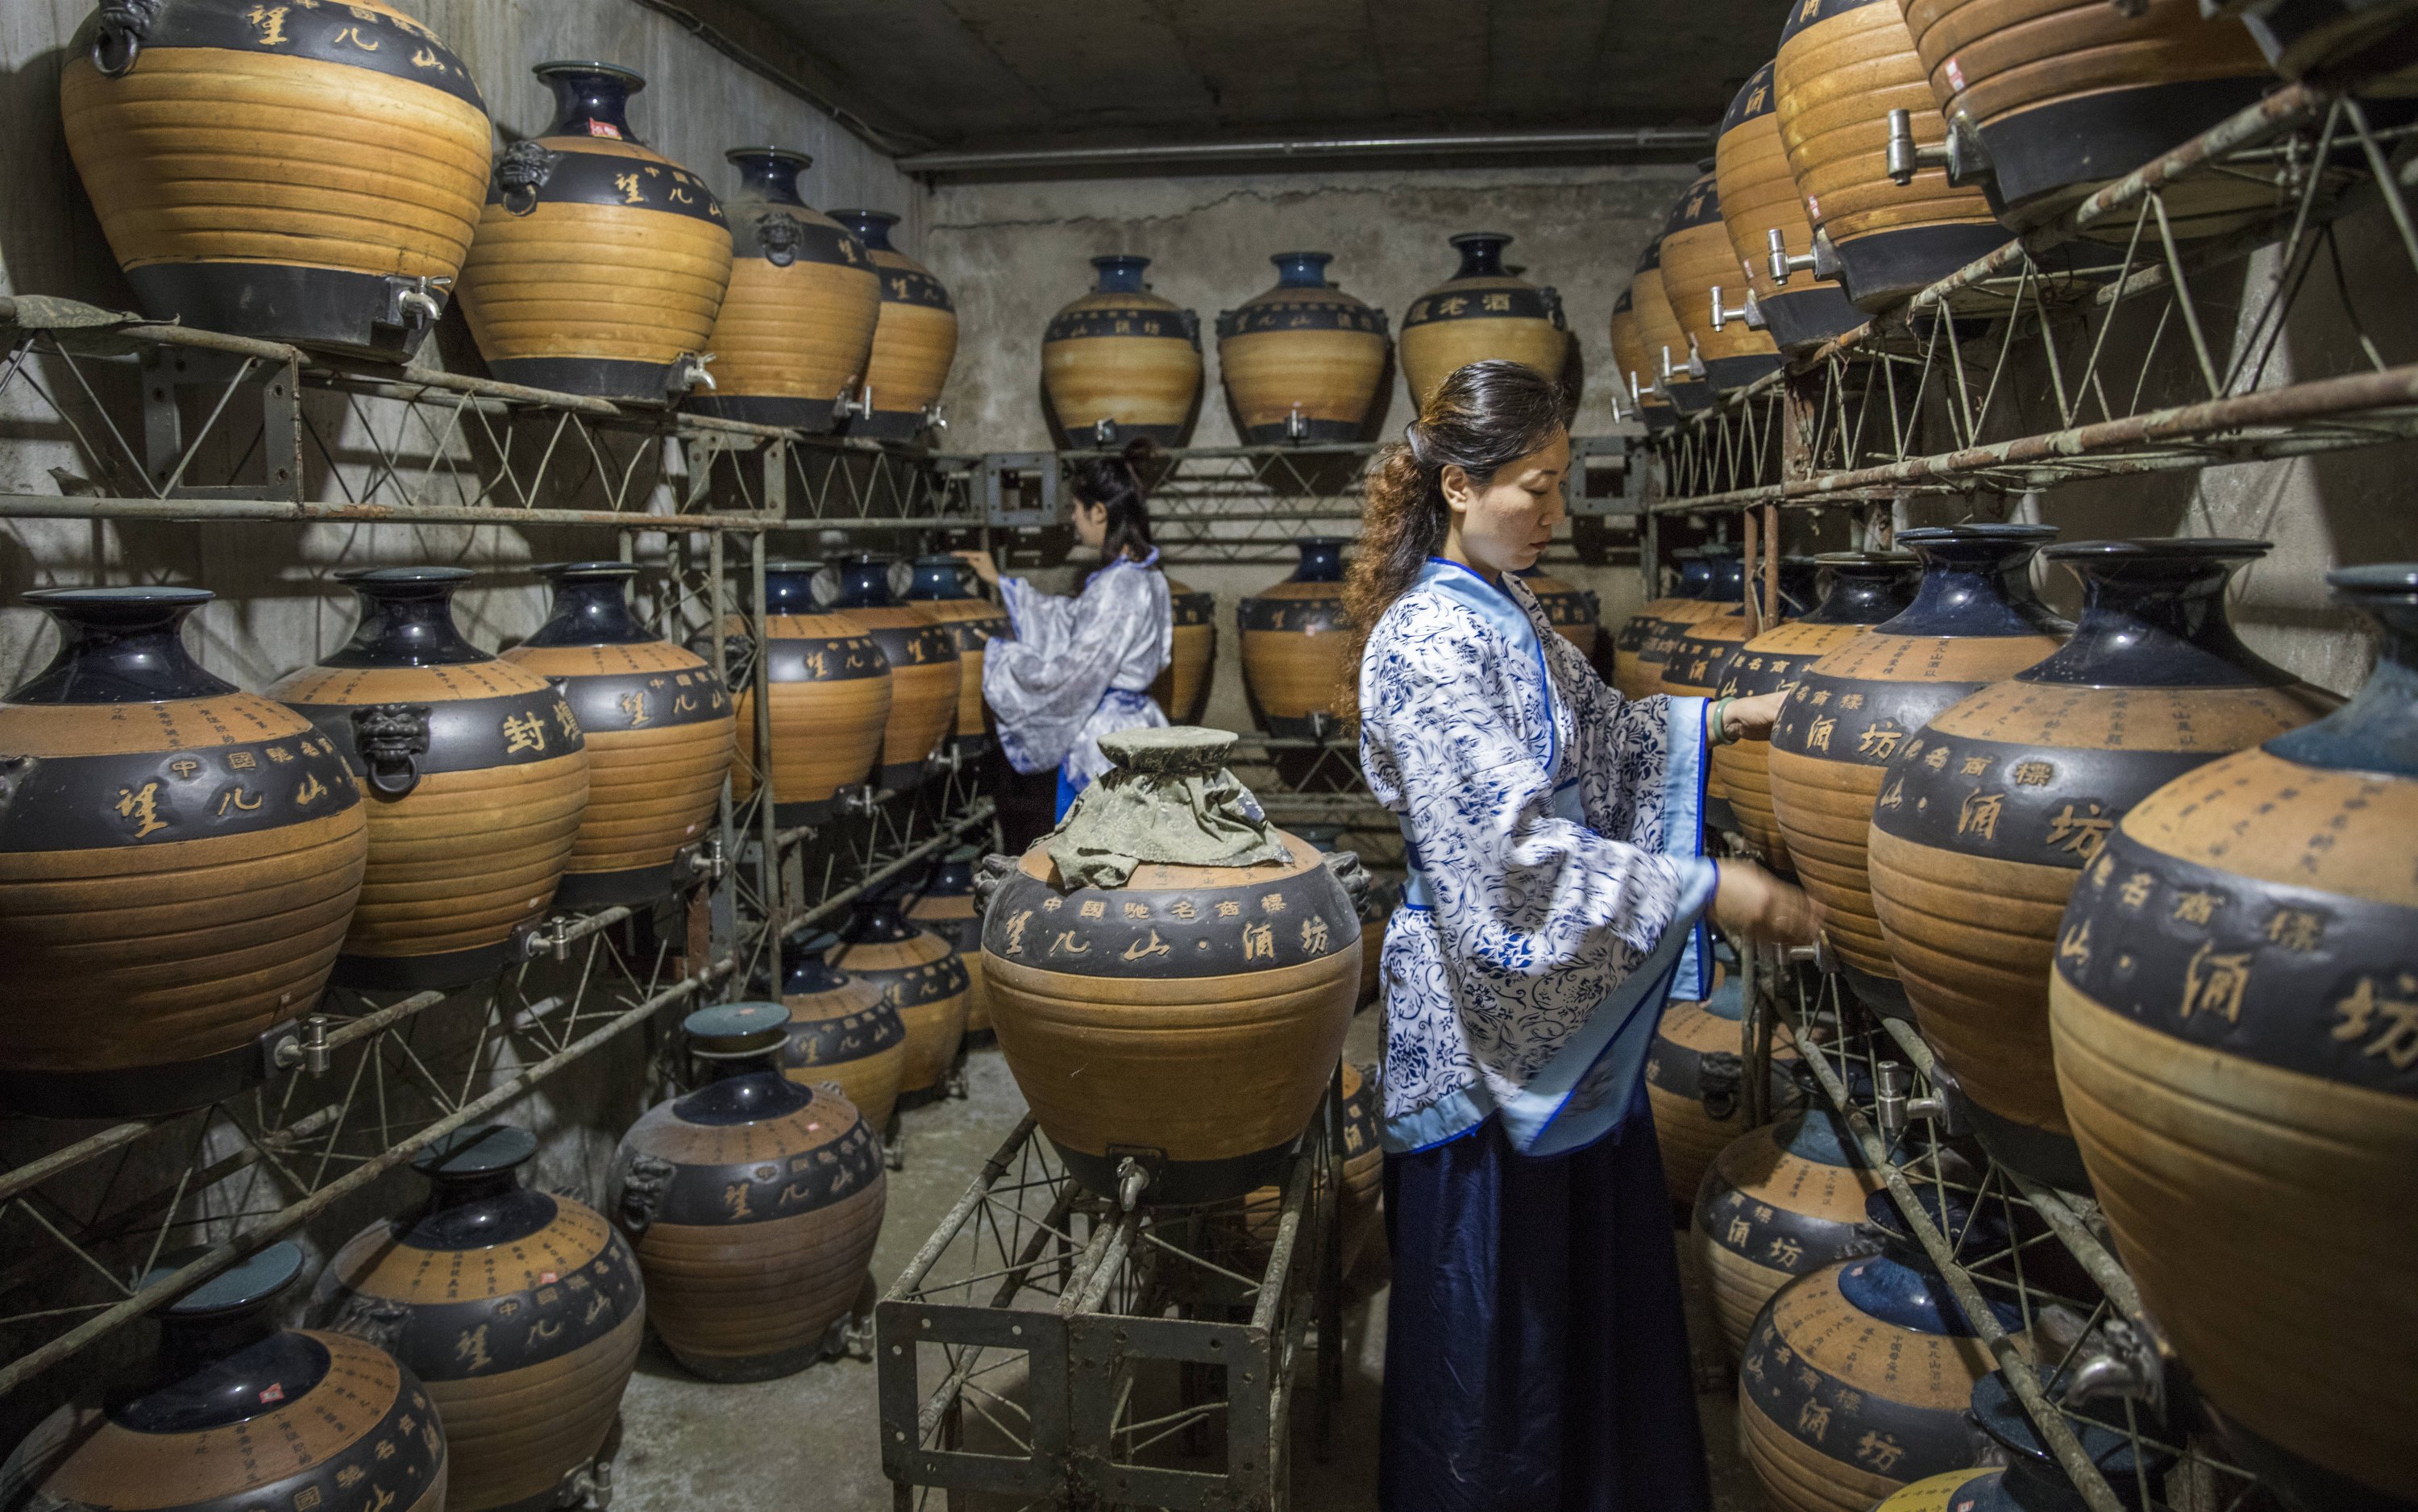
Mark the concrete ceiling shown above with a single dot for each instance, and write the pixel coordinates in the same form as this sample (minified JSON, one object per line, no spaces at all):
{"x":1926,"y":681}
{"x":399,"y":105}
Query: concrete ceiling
{"x":986,"y":74}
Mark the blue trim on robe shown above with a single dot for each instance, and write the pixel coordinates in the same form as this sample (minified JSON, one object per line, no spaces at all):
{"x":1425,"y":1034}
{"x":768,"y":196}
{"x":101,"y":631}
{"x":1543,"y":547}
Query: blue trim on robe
{"x":1588,"y":1087}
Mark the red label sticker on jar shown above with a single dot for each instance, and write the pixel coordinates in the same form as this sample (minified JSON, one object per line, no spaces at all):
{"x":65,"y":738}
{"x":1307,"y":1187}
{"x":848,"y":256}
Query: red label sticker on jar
{"x":546,"y":1278}
{"x":1813,"y":207}
{"x":1955,"y":74}
{"x":272,"y":1393}
{"x":604,"y":129}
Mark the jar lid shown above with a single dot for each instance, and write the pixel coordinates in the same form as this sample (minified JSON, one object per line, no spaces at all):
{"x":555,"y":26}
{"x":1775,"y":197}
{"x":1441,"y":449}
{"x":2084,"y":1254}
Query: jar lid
{"x":733,"y":1030}
{"x":247,"y":1283}
{"x":479,"y":1150}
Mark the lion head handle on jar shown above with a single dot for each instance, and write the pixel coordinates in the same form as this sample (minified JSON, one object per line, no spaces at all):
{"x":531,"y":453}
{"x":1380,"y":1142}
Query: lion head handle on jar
{"x":391,"y":738}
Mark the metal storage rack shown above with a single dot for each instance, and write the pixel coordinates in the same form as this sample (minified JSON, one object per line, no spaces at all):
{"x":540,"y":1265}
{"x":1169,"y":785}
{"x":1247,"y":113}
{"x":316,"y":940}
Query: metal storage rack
{"x":174,"y":424}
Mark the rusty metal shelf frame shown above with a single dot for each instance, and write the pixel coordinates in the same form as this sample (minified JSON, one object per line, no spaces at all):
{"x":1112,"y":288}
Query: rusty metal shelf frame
{"x":1937,"y":394}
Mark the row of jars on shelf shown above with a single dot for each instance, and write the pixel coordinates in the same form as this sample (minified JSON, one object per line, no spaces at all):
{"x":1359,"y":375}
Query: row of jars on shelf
{"x":1891,"y":141}
{"x":585,"y":261}
{"x":2145,"y":895}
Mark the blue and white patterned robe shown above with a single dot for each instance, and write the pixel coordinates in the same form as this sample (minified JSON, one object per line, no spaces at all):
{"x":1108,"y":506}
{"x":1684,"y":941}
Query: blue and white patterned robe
{"x":1078,"y":668}
{"x":1558,"y":881}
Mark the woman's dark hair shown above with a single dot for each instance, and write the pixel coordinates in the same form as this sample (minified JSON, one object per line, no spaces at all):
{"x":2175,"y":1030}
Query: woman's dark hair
{"x":1484,"y":418}
{"x":1114,"y":483}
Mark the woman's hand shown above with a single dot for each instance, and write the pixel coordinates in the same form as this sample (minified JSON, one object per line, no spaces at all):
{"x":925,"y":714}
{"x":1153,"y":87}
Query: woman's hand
{"x":980,"y":561}
{"x":1751,"y":902}
{"x":1749,"y":719}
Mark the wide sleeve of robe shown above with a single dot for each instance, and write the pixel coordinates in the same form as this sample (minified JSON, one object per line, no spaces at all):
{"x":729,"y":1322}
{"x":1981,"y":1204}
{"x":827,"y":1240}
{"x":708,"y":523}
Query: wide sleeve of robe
{"x":1045,"y":685}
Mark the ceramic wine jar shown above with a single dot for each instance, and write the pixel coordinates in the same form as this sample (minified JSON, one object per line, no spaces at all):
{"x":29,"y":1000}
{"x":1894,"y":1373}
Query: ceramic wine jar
{"x":1758,"y":197}
{"x":1724,"y":590}
{"x":1634,"y":372}
{"x":2238,"y":1052}
{"x":1572,"y":611}
{"x":920,"y":975}
{"x":914,"y":341}
{"x":1182,"y":687}
{"x":752,"y":1203}
{"x":520,"y":1310}
{"x":178,"y":863}
{"x":1697,"y":258}
{"x":1695,"y":1083}
{"x":841,"y":1029}
{"x":2010,"y":794}
{"x":659,"y":730}
{"x":1865,"y":588}
{"x":945,"y":906}
{"x":1296,"y":663}
{"x":1302,"y":361}
{"x":2066,"y":96}
{"x":232,"y":1412}
{"x":474,"y":772}
{"x":1775,"y":1204}
{"x":1664,"y":342}
{"x":1843,"y":66}
{"x":600,"y":265}
{"x":829,"y":697}
{"x":1186,"y":1015}
{"x":939,"y":590}
{"x":1974,"y":620}
{"x":1482,"y":311}
{"x":1364,"y":1172}
{"x":1629,"y":672}
{"x":2029,"y":1478}
{"x":290,"y":174}
{"x":796,"y":330}
{"x":1700,"y":658}
{"x":1857,"y":1377}
{"x":1121,"y":362}
{"x":921,"y":646}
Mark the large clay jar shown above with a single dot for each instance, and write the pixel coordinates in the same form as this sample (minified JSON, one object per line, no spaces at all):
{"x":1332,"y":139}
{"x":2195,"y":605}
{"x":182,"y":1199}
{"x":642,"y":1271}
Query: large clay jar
{"x":2238,"y":1050}
{"x":1700,"y":658}
{"x":1775,"y":1204}
{"x":232,"y":1413}
{"x":1174,"y":997}
{"x":796,"y":330}
{"x":1974,"y":620}
{"x":921,"y":977}
{"x":178,"y":863}
{"x":475,"y":773}
{"x":1697,"y":259}
{"x":1843,"y":66}
{"x":945,"y":906}
{"x":922,"y":648}
{"x":913,"y":342}
{"x":1121,"y":362}
{"x":1661,"y":339}
{"x":1857,"y":1376}
{"x":600,"y":265}
{"x":2029,"y":1478}
{"x":752,"y":1203}
{"x":2069,"y":95}
{"x":1482,"y":312}
{"x":841,"y":1029}
{"x":828,"y":699}
{"x":291,"y":174}
{"x":1695,"y":1084}
{"x":2007,"y":796}
{"x":521,"y":1310}
{"x":1297,"y":665}
{"x":1724,"y":590}
{"x":659,"y":730}
{"x":1364,"y":1172}
{"x":1759,"y":197}
{"x":1302,"y":361}
{"x":939,"y":590}
{"x":1640,"y":629}
{"x":1182,"y":687}
{"x":1572,"y":611}
{"x":1865,"y":588}
{"x":1634,"y":372}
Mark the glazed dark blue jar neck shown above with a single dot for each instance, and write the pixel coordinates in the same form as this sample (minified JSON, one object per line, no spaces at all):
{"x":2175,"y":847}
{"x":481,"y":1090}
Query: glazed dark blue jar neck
{"x":2378,"y":730}
{"x":1862,"y":593}
{"x":473,"y":1210}
{"x":806,"y":972}
{"x":952,"y":877}
{"x":865,"y":584}
{"x":938,"y":577}
{"x":1819,"y":1137}
{"x":1976,"y":582}
{"x":585,"y":98}
{"x":746,"y":1089}
{"x":1120,"y":273}
{"x":1799,"y":587}
{"x":1726,"y":579}
{"x":878,"y":922}
{"x":1482,"y":255}
{"x":591,"y":608}
{"x":872,"y":227}
{"x":2153,"y":617}
{"x":120,"y":647}
{"x":1695,"y":578}
{"x":770,"y":174}
{"x":1302,"y":270}
{"x":1322,"y":559}
{"x":214,"y":1372}
{"x":789,"y":589}
{"x":405,"y":622}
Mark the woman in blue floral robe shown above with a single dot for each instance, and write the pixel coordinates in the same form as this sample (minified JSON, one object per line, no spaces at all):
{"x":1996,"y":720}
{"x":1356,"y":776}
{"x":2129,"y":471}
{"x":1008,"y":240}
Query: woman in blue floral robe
{"x":1536,"y":1356}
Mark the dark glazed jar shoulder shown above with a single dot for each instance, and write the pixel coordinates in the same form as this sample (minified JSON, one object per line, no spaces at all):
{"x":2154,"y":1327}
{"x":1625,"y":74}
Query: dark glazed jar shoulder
{"x":475,"y":1197}
{"x":2153,"y":617}
{"x":1976,"y":582}
{"x":790,"y":587}
{"x":1866,"y":587}
{"x":592,"y":606}
{"x":406,"y":620}
{"x":120,"y":646}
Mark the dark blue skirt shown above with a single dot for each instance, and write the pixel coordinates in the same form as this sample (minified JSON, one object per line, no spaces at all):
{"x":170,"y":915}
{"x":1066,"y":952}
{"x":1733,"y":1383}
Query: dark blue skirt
{"x":1535,"y":1344}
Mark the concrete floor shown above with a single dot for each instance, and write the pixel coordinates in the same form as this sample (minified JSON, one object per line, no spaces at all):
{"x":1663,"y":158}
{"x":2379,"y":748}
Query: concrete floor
{"x":811,"y":1441}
